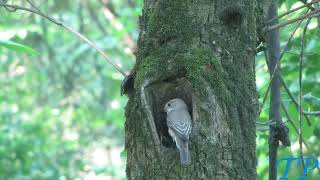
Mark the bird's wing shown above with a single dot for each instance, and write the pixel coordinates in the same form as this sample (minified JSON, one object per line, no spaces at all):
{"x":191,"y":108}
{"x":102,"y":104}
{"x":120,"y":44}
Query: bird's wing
{"x":180,"y":123}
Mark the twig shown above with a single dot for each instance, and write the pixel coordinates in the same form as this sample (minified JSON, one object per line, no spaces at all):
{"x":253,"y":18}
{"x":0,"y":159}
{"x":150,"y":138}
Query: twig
{"x":7,"y":8}
{"x":33,"y":6}
{"x":317,"y":6}
{"x":300,"y":87}
{"x":272,"y":75}
{"x":314,"y":113}
{"x":308,"y":15}
{"x":309,"y":6}
{"x":292,"y":123}
{"x":293,"y":10}
{"x":313,"y":8}
{"x":270,"y":122}
{"x":15,"y":7}
{"x":263,"y":129}
{"x":294,"y":100}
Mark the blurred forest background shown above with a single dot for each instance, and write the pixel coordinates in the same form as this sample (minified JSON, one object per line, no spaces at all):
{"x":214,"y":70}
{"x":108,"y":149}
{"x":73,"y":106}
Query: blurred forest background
{"x":61,"y":113}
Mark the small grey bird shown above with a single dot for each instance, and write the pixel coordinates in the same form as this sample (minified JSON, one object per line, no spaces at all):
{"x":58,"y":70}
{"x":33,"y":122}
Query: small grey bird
{"x":179,"y":127}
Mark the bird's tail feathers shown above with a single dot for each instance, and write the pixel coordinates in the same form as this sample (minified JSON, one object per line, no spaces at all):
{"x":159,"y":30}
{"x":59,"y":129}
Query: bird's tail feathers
{"x":184,"y":152}
{"x":185,"y":156}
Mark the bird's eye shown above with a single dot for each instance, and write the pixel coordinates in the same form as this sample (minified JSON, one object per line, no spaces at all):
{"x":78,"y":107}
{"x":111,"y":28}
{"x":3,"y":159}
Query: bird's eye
{"x":169,"y":104}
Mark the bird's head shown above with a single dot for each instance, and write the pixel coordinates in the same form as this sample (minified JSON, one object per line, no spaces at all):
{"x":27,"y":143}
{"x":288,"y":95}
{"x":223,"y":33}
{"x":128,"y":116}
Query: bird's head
{"x":175,"y":104}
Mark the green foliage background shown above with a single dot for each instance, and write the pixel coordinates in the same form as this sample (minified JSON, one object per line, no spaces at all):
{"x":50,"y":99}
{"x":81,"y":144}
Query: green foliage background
{"x":61,"y":113}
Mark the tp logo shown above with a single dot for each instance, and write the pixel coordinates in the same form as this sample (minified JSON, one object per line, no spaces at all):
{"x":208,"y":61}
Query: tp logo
{"x":305,"y":170}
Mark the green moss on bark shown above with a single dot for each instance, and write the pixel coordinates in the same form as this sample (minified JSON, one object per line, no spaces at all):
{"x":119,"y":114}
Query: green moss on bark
{"x":176,"y":33}
{"x":198,"y":66}
{"x":184,"y":38}
{"x":202,"y":65}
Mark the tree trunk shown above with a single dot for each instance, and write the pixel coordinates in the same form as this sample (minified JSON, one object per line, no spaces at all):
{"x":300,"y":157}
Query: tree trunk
{"x":203,"y":52}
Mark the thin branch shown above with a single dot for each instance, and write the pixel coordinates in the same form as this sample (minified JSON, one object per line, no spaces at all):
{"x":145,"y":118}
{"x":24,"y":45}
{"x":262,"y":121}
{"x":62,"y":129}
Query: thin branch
{"x":109,"y":60}
{"x":294,"y":100}
{"x":33,"y":6}
{"x":292,"y":123}
{"x":300,"y":86}
{"x":7,"y":8}
{"x":263,"y":129}
{"x":272,"y":75}
{"x":316,"y":6}
{"x":293,"y":10}
{"x":269,"y":123}
{"x":314,"y":113}
{"x":308,"y":15}
{"x":295,"y":128}
{"x":309,"y":6}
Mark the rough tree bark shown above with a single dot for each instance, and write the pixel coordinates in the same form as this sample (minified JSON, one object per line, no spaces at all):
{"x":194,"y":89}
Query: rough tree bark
{"x":203,"y":52}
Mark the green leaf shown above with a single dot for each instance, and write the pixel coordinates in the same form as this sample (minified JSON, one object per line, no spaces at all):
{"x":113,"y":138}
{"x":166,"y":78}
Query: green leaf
{"x":17,"y":47}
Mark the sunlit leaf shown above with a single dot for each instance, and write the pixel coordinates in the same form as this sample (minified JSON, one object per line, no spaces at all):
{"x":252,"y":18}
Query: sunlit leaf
{"x":17,"y":47}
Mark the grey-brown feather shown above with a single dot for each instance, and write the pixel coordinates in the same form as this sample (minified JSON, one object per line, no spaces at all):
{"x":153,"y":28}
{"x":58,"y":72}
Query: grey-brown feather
{"x":179,"y":125}
{"x":180,"y":122}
